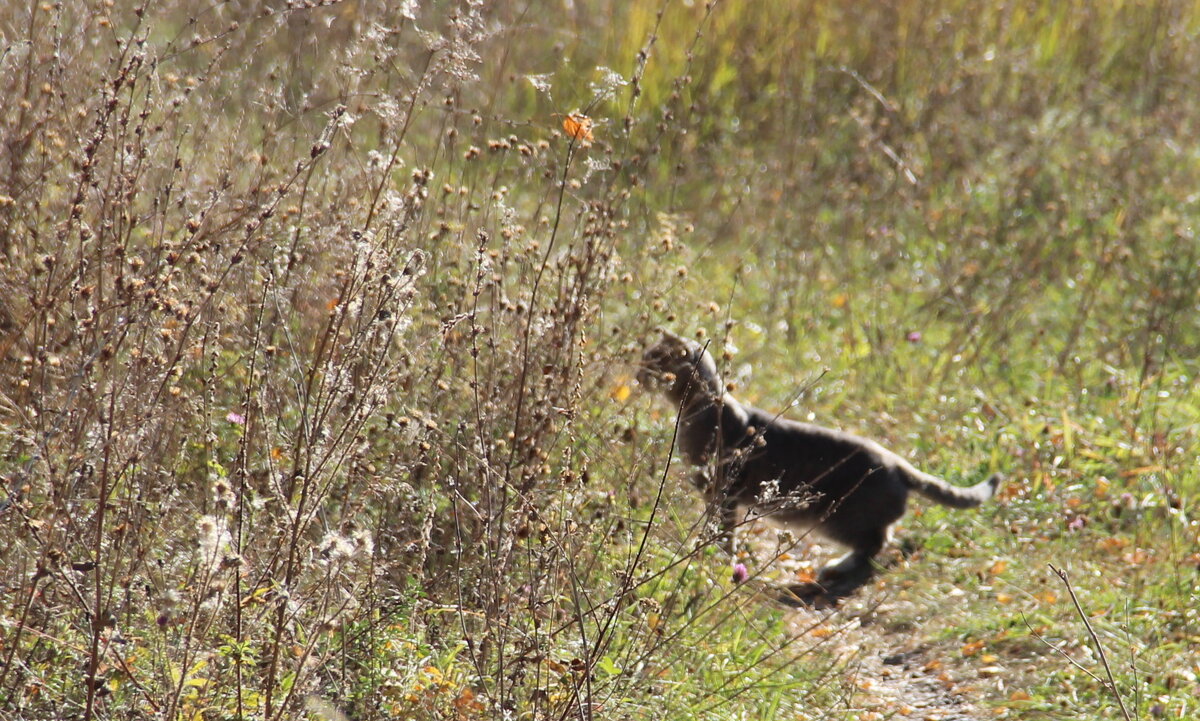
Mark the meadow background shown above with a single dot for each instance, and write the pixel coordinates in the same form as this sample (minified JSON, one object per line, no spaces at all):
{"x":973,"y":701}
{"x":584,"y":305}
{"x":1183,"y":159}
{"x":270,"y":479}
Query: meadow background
{"x":319,"y":326}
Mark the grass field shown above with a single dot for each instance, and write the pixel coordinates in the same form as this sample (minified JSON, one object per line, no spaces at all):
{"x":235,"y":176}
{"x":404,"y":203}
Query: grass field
{"x":319,"y":323}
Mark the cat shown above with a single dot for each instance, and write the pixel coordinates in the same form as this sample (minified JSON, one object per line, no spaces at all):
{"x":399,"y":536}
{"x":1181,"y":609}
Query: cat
{"x":798,"y":475}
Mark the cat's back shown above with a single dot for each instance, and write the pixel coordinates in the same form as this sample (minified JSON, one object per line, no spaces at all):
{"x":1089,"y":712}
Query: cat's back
{"x":815,"y":441}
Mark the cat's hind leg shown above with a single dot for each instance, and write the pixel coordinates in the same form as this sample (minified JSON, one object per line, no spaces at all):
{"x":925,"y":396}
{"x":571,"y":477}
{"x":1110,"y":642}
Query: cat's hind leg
{"x":850,"y":572}
{"x":842,"y":577}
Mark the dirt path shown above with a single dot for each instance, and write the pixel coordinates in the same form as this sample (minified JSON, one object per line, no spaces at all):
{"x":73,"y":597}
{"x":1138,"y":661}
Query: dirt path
{"x":898,"y":676}
{"x":892,"y":669}
{"x":891,"y":673}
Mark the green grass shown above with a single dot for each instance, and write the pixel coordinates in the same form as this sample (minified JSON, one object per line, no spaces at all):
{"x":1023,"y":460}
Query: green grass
{"x":318,"y":337}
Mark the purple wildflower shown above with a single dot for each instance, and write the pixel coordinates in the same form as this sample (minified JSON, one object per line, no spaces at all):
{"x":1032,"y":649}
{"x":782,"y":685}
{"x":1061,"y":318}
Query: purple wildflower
{"x":740,"y":574}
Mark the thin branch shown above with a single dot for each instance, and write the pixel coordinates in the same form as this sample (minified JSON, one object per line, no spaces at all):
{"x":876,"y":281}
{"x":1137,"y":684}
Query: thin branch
{"x":1112,"y":682}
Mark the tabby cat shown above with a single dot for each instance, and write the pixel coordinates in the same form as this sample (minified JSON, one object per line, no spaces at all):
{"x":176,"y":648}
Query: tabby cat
{"x":798,"y":475}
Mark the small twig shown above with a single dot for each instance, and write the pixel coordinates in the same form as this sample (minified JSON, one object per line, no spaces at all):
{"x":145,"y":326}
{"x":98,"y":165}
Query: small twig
{"x":888,"y":105}
{"x":892,"y":109}
{"x":1061,"y":652}
{"x":1112,"y":682}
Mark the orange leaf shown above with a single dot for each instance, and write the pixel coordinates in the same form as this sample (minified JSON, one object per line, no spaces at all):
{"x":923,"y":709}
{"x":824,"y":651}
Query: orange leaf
{"x":465,"y":698}
{"x":578,"y":126}
{"x":972,"y":648}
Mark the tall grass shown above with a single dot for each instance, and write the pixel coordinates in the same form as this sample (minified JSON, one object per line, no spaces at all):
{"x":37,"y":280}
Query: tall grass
{"x":318,"y":331}
{"x":305,"y":348}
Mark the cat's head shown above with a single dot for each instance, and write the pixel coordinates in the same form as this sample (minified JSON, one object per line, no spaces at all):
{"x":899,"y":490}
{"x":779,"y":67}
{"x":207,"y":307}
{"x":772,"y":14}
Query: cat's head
{"x":680,"y":367}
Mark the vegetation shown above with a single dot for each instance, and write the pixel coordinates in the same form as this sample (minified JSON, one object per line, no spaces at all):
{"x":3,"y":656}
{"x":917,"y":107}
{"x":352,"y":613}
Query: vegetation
{"x":319,"y":323}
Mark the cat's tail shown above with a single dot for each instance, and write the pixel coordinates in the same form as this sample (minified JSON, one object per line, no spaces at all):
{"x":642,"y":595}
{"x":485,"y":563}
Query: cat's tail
{"x":939,"y":491}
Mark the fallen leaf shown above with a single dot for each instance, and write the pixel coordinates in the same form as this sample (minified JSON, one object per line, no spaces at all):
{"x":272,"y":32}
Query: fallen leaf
{"x":1136,"y":557}
{"x":972,"y":648}
{"x":1140,"y":471}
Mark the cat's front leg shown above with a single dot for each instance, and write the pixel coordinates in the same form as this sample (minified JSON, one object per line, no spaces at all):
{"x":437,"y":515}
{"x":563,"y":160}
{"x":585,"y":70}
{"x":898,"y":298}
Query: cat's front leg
{"x":719,"y":503}
{"x":726,"y":523}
